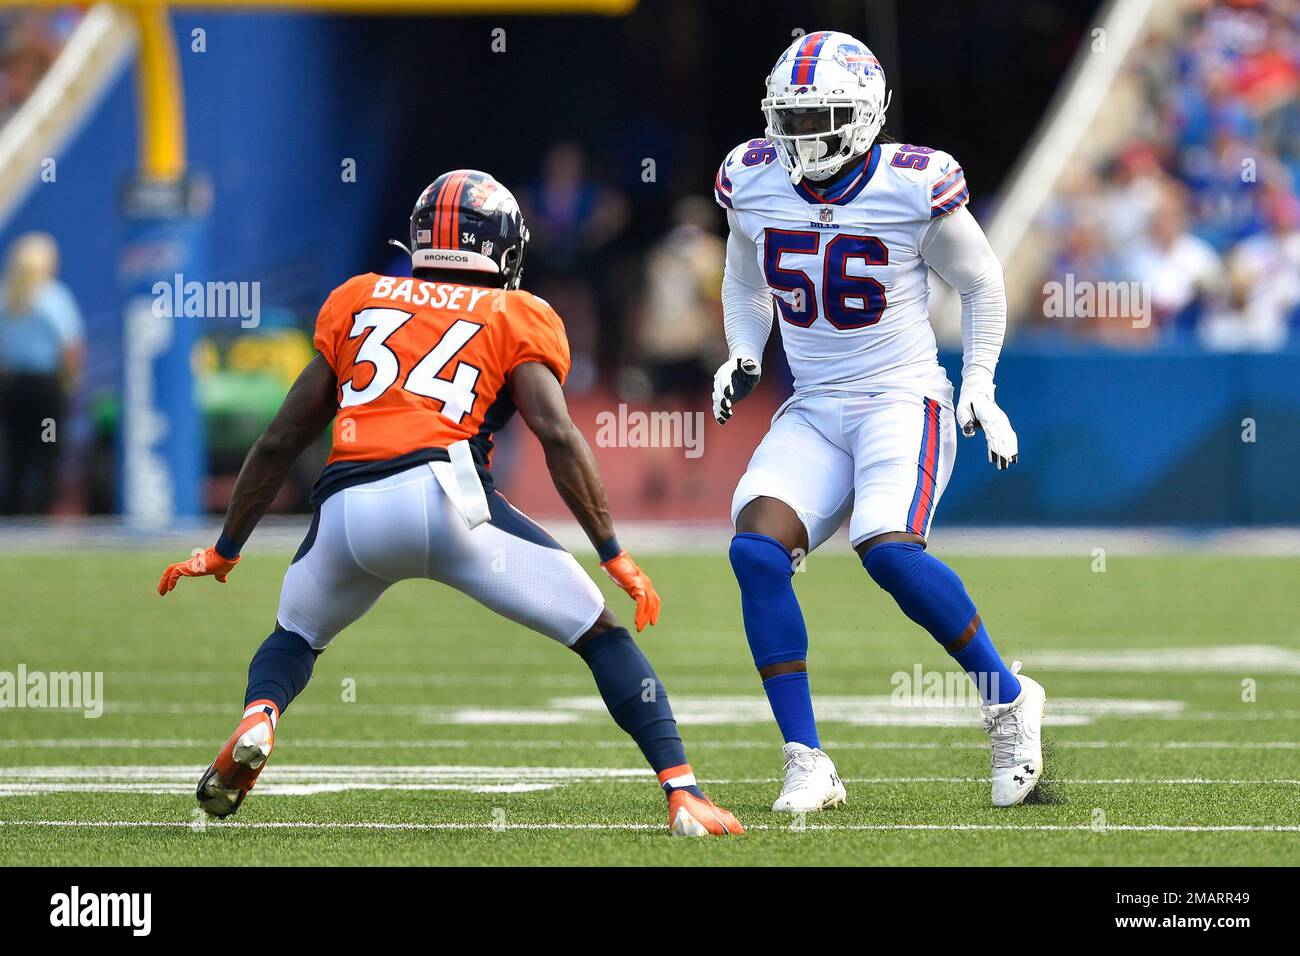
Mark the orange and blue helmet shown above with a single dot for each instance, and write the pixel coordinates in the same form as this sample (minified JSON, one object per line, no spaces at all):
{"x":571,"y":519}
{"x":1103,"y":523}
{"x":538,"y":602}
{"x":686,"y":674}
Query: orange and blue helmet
{"x":465,"y":219}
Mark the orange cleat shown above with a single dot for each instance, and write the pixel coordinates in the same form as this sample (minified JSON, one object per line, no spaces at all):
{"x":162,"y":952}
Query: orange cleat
{"x":227,"y":781}
{"x":689,"y":815}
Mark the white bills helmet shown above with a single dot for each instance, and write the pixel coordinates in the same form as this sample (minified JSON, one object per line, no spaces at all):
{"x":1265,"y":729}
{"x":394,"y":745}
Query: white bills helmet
{"x":825,"y":104}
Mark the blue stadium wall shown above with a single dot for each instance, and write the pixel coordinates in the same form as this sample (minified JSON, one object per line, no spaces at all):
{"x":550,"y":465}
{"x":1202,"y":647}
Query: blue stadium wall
{"x":1143,"y":438}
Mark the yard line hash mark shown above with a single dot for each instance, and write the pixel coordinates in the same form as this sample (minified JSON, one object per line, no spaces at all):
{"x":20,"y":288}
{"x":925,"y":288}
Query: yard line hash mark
{"x":762,"y":827}
{"x":460,"y":743}
{"x":313,"y":779}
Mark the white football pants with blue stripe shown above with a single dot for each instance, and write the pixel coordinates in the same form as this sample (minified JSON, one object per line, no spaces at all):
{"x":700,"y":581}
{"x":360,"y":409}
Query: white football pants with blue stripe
{"x":881,"y":459}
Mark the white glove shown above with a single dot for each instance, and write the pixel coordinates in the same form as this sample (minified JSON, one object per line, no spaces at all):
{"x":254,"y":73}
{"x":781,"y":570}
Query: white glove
{"x":976,"y":409}
{"x":733,"y":381}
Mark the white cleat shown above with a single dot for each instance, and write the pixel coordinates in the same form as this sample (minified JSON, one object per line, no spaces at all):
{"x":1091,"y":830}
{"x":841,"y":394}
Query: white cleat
{"x":1016,"y":733}
{"x":811,"y":782}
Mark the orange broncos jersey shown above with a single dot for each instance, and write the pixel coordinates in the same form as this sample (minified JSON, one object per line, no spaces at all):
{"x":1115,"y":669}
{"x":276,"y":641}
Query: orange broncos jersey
{"x":422,"y":365}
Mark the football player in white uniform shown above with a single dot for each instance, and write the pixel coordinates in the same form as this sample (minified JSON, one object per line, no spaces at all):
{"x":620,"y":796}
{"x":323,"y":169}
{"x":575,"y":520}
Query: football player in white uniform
{"x":837,"y":229}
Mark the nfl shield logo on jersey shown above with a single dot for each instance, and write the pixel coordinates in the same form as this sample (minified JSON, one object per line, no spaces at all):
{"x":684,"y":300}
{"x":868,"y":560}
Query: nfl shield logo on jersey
{"x":826,"y":213}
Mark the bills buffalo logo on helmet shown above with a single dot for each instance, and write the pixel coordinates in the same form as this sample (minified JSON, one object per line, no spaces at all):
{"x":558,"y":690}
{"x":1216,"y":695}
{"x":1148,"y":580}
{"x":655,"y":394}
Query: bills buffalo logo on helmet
{"x":857,"y":59}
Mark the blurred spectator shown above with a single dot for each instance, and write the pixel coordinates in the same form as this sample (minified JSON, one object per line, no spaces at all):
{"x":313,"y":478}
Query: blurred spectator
{"x":678,"y":336}
{"x":1207,"y":176}
{"x":1264,"y":278}
{"x":680,"y":332}
{"x":573,"y":219}
{"x":41,"y":350}
{"x":1134,"y":185}
{"x":1180,"y":271}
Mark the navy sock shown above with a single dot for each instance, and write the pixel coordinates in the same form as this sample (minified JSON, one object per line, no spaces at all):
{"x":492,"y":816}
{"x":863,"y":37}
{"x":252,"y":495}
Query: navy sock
{"x":791,"y":702}
{"x":280,"y":669}
{"x":639,"y":704}
{"x":931,"y":594}
{"x":775,"y":630}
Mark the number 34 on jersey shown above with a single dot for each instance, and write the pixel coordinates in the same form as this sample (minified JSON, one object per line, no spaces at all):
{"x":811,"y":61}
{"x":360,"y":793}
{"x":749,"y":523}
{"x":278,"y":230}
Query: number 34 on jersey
{"x":425,"y":364}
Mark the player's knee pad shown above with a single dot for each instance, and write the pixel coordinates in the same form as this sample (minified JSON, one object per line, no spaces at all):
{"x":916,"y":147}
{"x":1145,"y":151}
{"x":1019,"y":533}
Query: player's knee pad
{"x":758,"y":558}
{"x":774,"y":623}
{"x":893,"y":564}
{"x":926,"y":589}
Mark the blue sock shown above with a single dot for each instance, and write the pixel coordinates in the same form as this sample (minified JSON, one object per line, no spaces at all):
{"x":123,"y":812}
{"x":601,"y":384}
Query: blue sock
{"x":775,"y":629}
{"x":931,"y":594}
{"x":280,"y":669}
{"x":791,"y":701}
{"x":638,"y":703}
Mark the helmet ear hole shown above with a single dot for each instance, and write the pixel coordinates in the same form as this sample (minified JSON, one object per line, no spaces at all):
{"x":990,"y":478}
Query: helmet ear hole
{"x":512,"y":265}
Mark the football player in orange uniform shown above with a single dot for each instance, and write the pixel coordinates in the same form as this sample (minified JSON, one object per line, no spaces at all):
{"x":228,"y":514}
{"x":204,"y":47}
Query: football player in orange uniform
{"x":418,"y":374}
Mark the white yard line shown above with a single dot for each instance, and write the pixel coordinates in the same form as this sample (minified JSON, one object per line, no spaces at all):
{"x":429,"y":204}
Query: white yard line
{"x":280,"y":535}
{"x":369,"y":825}
{"x":300,"y":789}
{"x":882,"y":710}
{"x":289,"y":779}
{"x":460,"y":743}
{"x":1115,"y":781}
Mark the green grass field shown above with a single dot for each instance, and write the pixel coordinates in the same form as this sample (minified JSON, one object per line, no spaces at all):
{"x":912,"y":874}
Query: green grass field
{"x":1173,"y":705}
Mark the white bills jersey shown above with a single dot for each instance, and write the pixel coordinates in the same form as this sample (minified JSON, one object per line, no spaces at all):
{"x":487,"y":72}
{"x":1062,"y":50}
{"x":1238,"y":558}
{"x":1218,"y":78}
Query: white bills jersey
{"x":845,"y":267}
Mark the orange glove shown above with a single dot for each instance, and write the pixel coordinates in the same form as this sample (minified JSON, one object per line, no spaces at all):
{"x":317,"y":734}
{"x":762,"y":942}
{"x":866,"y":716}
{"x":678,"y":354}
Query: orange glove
{"x":201,"y":564}
{"x":624,"y":572}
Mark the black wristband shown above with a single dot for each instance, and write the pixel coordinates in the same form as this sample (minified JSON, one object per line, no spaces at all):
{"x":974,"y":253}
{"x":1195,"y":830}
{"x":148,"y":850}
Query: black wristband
{"x":226,"y":548}
{"x":609,"y":550}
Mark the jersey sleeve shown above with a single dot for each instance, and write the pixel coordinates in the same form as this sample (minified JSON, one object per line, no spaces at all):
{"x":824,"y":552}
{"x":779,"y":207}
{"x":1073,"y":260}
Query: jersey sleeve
{"x":737,"y":167}
{"x":722,"y":184}
{"x":746,"y":300}
{"x":539,"y":337}
{"x":333,"y":320}
{"x":948,"y":191}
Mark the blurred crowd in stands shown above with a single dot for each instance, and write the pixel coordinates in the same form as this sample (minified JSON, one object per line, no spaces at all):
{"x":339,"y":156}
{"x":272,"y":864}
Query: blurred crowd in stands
{"x":30,"y":39}
{"x":1199,"y":204}
{"x":664,"y":300}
